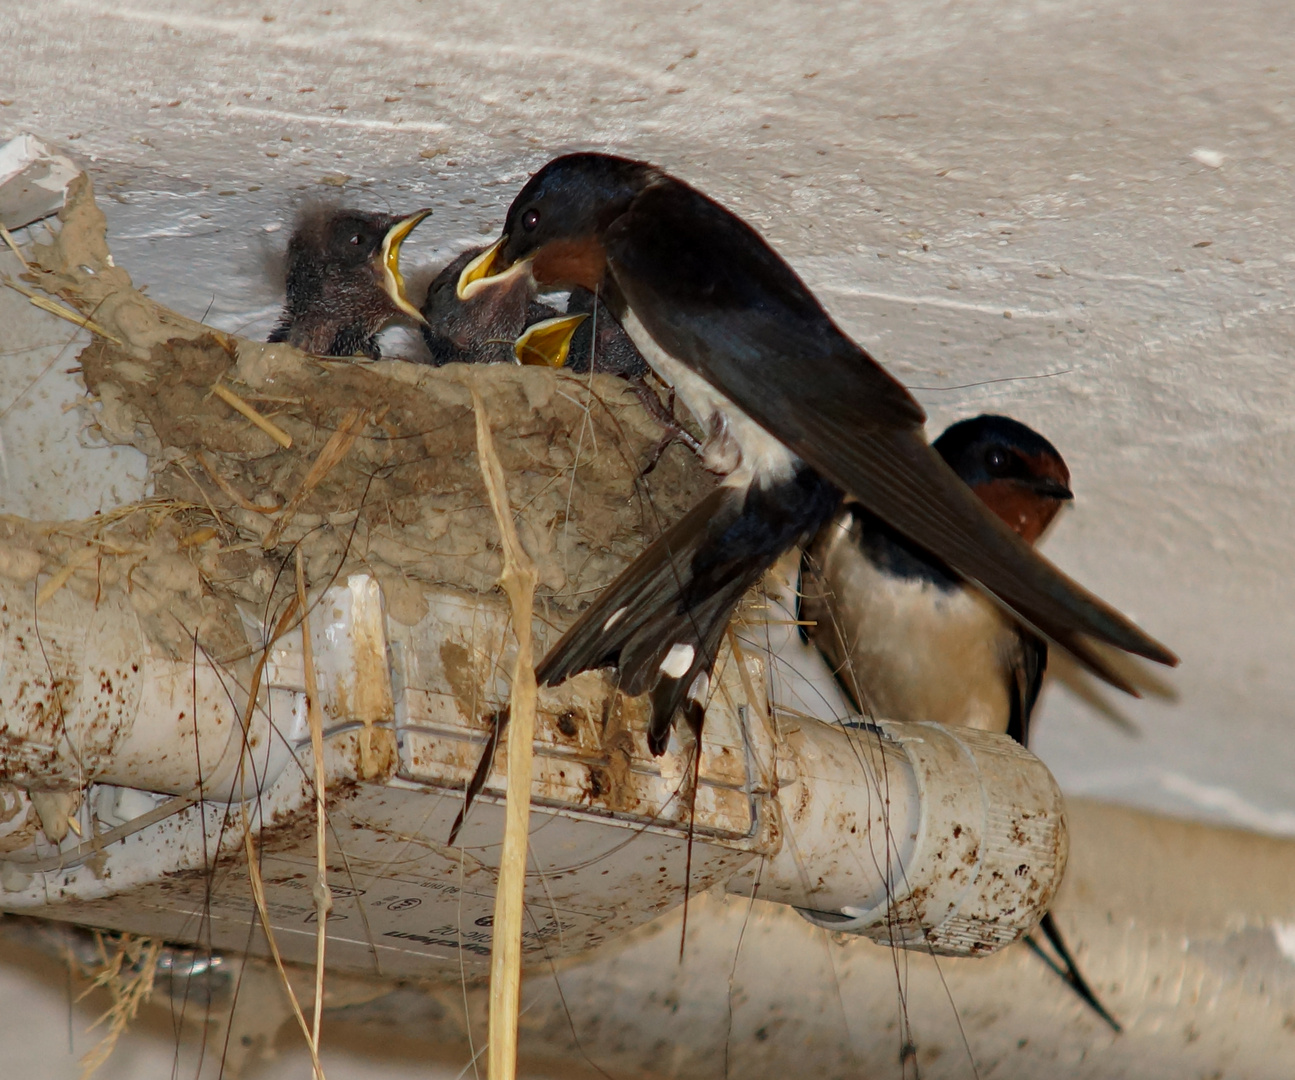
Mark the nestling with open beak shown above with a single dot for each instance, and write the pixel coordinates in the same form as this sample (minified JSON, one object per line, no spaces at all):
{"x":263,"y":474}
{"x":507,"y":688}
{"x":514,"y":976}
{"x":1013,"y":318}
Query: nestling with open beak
{"x":343,"y":281}
{"x":483,"y":329}
{"x":797,"y":415}
{"x":502,"y":322}
{"x":910,"y":641}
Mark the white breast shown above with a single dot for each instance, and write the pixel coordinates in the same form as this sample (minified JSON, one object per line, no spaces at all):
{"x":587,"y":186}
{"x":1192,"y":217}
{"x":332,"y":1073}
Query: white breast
{"x":758,"y":454}
{"x":913,"y":650}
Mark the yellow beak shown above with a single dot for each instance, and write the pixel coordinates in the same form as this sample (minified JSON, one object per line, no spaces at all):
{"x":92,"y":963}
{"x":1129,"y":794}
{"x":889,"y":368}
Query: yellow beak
{"x":548,"y":342}
{"x":482,"y":272}
{"x":393,"y":284}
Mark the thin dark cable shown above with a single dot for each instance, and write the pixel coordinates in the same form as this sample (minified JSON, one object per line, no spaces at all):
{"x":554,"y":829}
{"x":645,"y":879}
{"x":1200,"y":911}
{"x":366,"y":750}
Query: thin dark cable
{"x":737,"y":952}
{"x":991,"y":382}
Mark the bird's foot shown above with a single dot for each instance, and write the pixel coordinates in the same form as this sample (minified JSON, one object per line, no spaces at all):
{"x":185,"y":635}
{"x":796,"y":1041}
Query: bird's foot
{"x":663,"y":414}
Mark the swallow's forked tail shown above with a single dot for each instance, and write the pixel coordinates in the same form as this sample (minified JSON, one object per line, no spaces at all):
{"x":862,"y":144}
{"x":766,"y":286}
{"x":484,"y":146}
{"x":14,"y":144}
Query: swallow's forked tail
{"x":661,"y":622}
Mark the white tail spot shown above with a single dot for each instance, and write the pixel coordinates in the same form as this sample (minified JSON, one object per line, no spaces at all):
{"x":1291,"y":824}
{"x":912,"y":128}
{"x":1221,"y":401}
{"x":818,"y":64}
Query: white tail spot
{"x":615,"y":618}
{"x":677,"y":661}
{"x":700,"y":688}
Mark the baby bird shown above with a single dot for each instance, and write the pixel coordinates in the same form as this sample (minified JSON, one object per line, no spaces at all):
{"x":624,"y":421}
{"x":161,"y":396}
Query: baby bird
{"x":343,"y":281}
{"x":483,"y":329}
{"x":508,"y":325}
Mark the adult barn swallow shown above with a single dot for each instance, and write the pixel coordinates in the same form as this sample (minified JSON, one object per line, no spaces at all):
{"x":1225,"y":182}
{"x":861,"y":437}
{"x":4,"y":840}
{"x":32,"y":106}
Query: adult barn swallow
{"x":796,"y":414}
{"x":910,"y":640}
{"x":343,"y":281}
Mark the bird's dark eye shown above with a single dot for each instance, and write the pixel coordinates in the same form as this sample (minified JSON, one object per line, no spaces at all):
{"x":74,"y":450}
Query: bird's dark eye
{"x":530,"y":219}
{"x":357,"y":239}
{"x":997,"y":462}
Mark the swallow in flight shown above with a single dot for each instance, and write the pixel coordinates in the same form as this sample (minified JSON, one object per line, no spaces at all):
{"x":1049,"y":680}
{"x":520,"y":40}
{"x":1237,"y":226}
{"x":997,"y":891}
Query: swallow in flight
{"x":343,"y":281}
{"x":795,"y":414}
{"x":909,"y":640}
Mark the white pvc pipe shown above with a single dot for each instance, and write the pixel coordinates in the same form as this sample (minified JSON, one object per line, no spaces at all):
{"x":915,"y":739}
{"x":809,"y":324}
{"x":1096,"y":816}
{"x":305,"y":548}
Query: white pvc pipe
{"x":922,"y":836}
{"x":948,"y":840}
{"x":85,"y":697}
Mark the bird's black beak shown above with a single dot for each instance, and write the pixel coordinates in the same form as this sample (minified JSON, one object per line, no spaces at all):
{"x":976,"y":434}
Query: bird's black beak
{"x":1049,"y":488}
{"x":488,"y":270}
{"x":548,"y":342}
{"x":393,"y":284}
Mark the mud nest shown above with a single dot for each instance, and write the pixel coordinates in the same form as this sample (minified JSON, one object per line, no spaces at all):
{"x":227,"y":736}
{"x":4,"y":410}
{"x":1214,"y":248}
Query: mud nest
{"x":381,"y":476}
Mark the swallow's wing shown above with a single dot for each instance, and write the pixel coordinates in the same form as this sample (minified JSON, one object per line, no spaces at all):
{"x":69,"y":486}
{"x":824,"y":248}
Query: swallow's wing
{"x":714,"y":295}
{"x":1025,"y":680}
{"x":660,"y":623}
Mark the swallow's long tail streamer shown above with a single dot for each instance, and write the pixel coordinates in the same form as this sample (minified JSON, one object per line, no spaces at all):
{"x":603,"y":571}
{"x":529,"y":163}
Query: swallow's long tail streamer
{"x":1067,"y":969}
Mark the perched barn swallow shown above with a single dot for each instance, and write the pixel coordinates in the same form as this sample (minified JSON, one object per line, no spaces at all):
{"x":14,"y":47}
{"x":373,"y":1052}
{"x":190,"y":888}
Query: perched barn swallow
{"x":910,"y":640}
{"x":796,"y":414}
{"x":343,"y":281}
{"x":907,"y":637}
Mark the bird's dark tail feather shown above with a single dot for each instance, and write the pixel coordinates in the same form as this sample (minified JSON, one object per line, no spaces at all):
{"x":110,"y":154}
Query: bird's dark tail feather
{"x":646,"y":598}
{"x":498,"y":724}
{"x":661,"y":622}
{"x":1067,"y":970}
